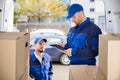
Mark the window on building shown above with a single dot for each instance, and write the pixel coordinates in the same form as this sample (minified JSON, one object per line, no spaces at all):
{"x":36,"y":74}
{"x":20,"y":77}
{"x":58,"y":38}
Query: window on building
{"x":92,"y":9}
{"x":101,"y":22}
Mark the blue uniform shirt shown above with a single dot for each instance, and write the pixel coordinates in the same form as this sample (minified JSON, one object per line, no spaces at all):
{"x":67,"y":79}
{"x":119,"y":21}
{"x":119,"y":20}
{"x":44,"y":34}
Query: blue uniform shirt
{"x":83,"y":40}
{"x":40,"y":71}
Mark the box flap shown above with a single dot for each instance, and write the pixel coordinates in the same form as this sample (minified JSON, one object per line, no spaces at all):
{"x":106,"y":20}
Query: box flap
{"x":83,"y":72}
{"x":86,"y":72}
{"x":12,"y":35}
{"x":111,"y":36}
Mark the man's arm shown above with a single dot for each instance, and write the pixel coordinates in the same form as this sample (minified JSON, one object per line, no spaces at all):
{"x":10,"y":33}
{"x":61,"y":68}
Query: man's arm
{"x":50,"y":73}
{"x":91,"y":48}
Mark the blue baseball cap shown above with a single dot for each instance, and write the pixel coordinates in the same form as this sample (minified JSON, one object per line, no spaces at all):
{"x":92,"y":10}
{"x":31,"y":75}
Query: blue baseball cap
{"x":38,"y":39}
{"x":73,"y":9}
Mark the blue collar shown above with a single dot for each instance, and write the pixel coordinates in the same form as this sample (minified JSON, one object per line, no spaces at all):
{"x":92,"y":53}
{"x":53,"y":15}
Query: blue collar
{"x":34,"y":57}
{"x":83,"y":24}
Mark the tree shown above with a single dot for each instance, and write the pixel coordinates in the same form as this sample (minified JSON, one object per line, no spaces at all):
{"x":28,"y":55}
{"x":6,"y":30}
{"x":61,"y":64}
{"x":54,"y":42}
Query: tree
{"x":40,"y":9}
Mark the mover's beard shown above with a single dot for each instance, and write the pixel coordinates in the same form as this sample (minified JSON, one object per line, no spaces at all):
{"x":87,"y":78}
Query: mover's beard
{"x":40,"y":51}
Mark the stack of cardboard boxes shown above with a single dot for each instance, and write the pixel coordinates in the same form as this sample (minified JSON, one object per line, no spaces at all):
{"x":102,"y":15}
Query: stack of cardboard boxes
{"x":109,"y":57}
{"x":109,"y":61}
{"x":14,"y":55}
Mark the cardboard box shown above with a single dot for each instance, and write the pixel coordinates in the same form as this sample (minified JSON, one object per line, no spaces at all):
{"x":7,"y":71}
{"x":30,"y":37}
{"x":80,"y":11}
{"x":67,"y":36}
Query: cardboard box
{"x":85,"y":72}
{"x":100,"y":75}
{"x":25,"y":75}
{"x":78,"y":72}
{"x":14,"y":54}
{"x":109,"y":56}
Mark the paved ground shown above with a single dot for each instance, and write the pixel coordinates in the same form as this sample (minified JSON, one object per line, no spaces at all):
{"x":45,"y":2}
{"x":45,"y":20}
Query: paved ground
{"x":61,"y":72}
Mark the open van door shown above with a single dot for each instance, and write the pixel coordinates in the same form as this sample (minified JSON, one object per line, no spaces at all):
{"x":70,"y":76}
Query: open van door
{"x":6,"y":15}
{"x":2,"y":3}
{"x":112,"y":15}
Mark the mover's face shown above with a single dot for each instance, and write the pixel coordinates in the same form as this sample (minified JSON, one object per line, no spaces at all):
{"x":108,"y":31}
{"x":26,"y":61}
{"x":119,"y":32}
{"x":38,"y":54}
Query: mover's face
{"x":40,"y":46}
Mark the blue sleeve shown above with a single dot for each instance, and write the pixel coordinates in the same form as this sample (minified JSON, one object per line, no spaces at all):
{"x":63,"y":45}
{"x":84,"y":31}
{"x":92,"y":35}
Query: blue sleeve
{"x":95,"y":37}
{"x":80,"y":43}
{"x":31,"y":75}
{"x":91,"y":50}
{"x":50,"y":71}
{"x":95,"y":44}
{"x":69,"y":36}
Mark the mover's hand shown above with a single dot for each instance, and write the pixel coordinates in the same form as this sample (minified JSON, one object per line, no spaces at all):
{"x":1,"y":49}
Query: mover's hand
{"x":68,"y":52}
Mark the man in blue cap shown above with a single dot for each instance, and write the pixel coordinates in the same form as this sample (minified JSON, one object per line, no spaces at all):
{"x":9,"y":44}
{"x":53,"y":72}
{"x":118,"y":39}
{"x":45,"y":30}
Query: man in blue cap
{"x":82,"y":39}
{"x":40,"y":62}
